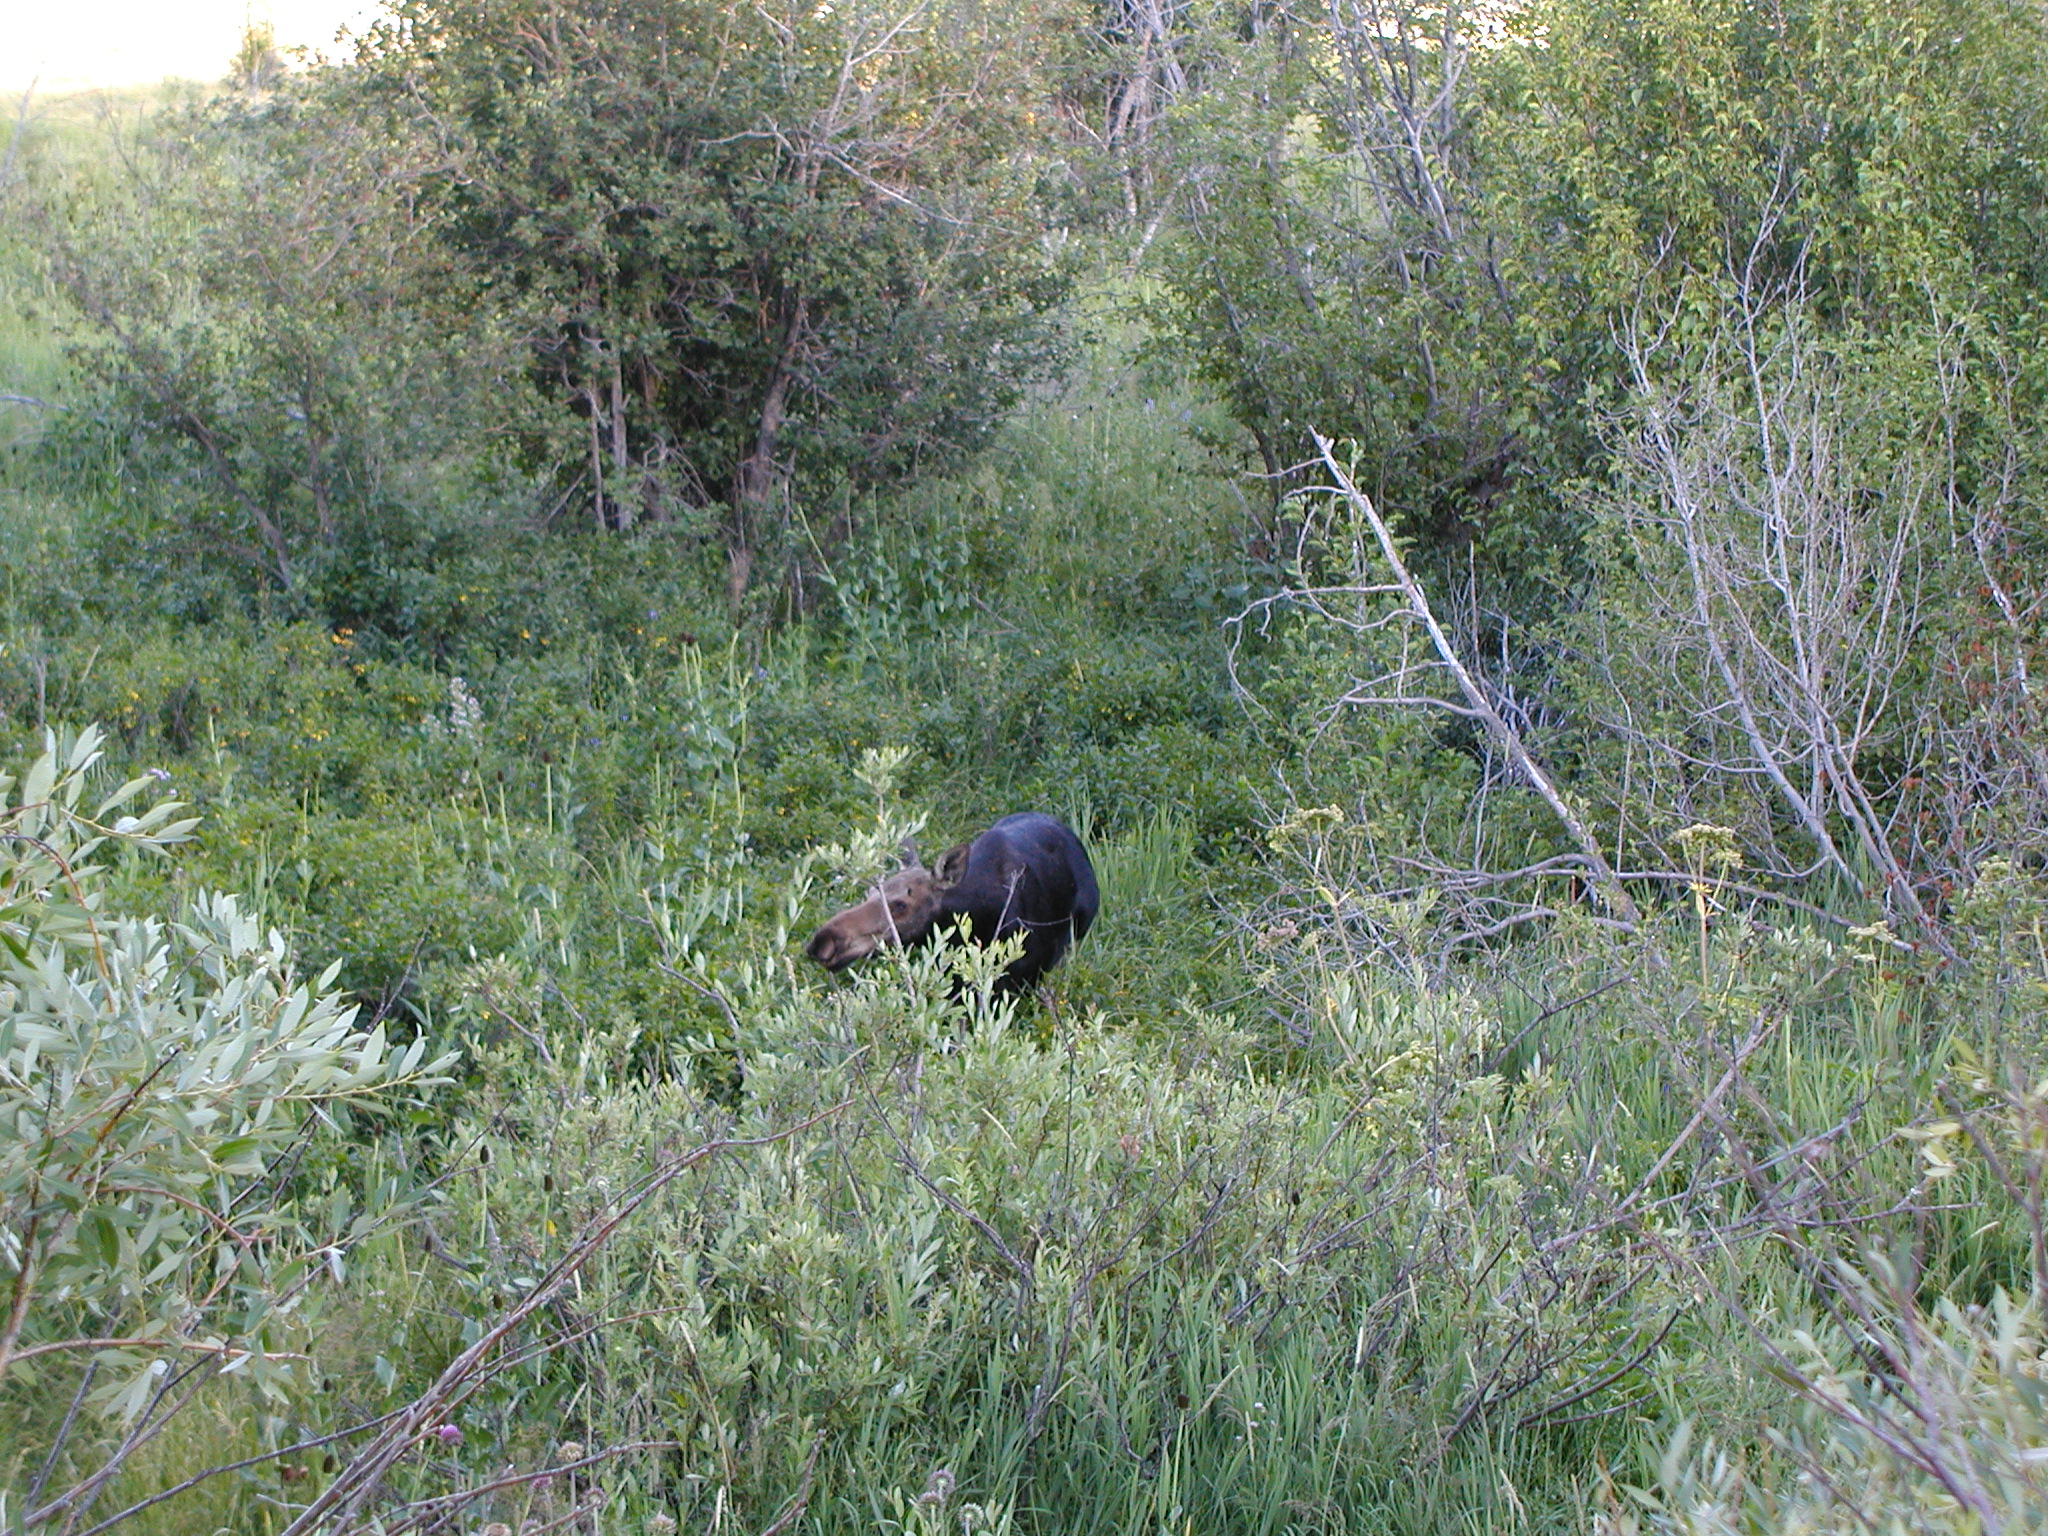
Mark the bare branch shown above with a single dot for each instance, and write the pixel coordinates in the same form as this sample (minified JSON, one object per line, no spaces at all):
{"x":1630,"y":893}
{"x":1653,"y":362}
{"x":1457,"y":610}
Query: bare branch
{"x":1612,"y":896}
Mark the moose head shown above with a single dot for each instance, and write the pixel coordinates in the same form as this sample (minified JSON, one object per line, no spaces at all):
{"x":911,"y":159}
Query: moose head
{"x":901,"y":909}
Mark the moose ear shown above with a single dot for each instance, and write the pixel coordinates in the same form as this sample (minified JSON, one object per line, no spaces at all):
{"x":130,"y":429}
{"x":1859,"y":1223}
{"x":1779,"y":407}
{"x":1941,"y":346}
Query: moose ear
{"x":952,"y":866}
{"x":909,"y":853}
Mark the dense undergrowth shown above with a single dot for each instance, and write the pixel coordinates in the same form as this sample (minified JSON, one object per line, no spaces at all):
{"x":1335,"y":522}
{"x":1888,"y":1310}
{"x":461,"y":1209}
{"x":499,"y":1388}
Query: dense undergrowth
{"x":1410,"y":1256}
{"x":1297,"y":1201}
{"x":1233,"y":1230}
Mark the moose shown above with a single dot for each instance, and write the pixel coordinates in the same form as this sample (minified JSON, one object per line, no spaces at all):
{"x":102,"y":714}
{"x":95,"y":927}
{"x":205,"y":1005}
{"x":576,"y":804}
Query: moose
{"x":1028,"y":874}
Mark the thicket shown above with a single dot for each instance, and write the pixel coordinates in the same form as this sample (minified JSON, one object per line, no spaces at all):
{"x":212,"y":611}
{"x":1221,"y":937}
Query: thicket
{"x":1527,"y":583}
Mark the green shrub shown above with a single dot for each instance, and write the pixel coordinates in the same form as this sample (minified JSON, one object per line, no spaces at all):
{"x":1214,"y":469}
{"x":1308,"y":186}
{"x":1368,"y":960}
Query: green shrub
{"x":157,"y":1083}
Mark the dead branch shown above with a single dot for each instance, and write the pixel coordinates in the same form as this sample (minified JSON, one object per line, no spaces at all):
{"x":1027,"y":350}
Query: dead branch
{"x":1608,"y":888}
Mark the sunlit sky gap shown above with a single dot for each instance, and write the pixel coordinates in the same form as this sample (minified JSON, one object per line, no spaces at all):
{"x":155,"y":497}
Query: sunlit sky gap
{"x":96,"y":44}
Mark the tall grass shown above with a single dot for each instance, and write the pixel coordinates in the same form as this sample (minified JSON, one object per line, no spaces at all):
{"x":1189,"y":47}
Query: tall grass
{"x":1149,"y":863}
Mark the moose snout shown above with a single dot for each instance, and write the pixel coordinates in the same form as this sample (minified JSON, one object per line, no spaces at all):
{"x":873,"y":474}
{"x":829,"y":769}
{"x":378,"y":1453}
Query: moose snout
{"x":835,"y":951}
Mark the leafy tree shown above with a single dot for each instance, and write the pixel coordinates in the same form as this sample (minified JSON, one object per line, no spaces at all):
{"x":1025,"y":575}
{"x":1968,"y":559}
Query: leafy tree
{"x":1335,"y":266}
{"x":658,"y":260}
{"x":1541,"y":265}
{"x":1418,"y":225}
{"x":1801,"y":254}
{"x":1890,"y":151}
{"x":258,"y":297}
{"x":744,"y":242}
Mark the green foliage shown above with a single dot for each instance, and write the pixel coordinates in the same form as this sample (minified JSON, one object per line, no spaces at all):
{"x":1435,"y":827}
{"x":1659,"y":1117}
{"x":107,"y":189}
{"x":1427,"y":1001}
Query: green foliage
{"x":1120,"y":1277}
{"x":1421,"y":228}
{"x":1887,"y":148}
{"x":1339,"y":266}
{"x":1058,"y":1274}
{"x":1915,"y":1412}
{"x":637,"y":261}
{"x":154,"y":1081}
{"x":1352,"y":1173}
{"x":252,"y":285}
{"x":734,"y":237}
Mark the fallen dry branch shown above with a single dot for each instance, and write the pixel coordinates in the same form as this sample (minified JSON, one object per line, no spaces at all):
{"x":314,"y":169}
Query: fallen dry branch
{"x":1480,"y":705}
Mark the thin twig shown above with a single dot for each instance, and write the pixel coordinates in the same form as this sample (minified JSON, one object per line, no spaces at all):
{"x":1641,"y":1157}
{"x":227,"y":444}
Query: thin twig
{"x":1603,"y":1382}
{"x":420,"y":1511}
{"x":236,"y":1466}
{"x":1026,"y":1280}
{"x":85,"y":1380}
{"x":800,"y":1500}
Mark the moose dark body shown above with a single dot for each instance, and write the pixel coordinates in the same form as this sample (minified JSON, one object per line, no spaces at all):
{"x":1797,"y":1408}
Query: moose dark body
{"x":1026,"y":874}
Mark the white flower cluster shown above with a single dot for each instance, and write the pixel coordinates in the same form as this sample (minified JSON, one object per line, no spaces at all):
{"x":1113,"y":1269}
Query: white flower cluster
{"x":465,"y":713}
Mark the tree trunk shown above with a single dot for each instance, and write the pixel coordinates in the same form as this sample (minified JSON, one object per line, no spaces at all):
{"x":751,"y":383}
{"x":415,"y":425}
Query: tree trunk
{"x":758,"y":480}
{"x":621,"y":516}
{"x":596,"y":457}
